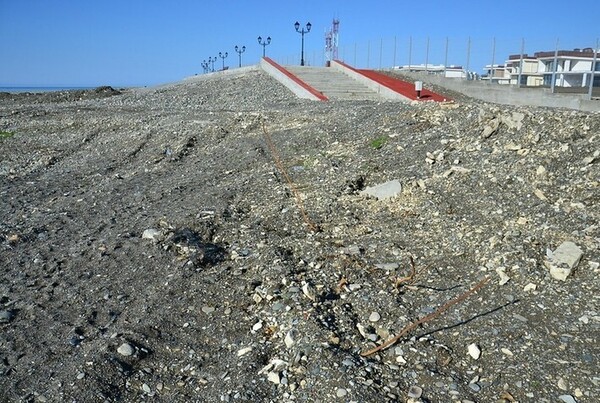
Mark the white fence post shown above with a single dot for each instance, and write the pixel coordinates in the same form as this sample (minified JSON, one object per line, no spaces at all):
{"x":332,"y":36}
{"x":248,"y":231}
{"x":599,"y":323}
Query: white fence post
{"x":491,"y":73}
{"x":554,"y":68}
{"x":394,"y":62}
{"x":521,"y":63}
{"x":409,"y":52}
{"x":591,"y":90}
{"x":468,"y":56}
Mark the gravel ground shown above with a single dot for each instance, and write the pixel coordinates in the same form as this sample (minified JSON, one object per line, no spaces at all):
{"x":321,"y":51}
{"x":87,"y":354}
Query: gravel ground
{"x":159,"y":245}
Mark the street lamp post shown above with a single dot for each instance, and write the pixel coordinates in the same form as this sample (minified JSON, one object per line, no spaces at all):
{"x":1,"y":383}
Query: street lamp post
{"x":223,"y":56}
{"x":302,"y":32}
{"x":212,"y":61}
{"x":204,"y":65}
{"x":239,"y":52}
{"x":264,"y":43}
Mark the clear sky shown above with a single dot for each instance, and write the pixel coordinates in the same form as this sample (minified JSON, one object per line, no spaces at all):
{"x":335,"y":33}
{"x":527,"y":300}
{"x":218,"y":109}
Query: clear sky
{"x":148,"y":42}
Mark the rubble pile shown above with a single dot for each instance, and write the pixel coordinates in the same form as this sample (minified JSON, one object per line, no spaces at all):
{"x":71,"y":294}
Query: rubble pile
{"x":151,"y":247}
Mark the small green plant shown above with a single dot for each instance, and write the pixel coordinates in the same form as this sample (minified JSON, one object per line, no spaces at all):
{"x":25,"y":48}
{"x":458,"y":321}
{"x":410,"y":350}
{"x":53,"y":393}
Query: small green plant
{"x":5,"y":135}
{"x":379,"y":142}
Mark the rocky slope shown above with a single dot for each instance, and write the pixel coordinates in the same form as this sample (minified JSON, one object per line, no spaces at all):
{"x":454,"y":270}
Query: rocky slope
{"x":212,"y":241}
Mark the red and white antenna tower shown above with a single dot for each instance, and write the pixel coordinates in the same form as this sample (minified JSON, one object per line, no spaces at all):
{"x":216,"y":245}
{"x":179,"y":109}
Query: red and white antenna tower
{"x":332,"y":42}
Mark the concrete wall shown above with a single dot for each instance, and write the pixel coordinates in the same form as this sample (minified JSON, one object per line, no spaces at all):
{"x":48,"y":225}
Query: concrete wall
{"x":509,"y":95}
{"x":285,"y":78}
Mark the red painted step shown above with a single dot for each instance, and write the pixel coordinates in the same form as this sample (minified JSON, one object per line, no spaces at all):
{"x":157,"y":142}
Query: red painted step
{"x":402,"y":87}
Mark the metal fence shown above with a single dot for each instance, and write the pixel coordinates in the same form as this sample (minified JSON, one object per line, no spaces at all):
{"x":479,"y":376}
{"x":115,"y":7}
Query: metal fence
{"x":475,"y":56}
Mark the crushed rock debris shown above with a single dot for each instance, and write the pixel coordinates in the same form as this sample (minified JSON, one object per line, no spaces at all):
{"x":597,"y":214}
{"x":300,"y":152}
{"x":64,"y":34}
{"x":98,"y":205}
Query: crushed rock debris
{"x":158,"y":216}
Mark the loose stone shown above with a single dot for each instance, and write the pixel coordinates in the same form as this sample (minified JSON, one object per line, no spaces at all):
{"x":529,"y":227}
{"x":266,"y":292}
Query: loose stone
{"x":563,"y":260}
{"x":309,"y":291}
{"x":354,"y":287}
{"x":341,"y":392}
{"x":385,"y":190}
{"x":290,"y":338}
{"x":6,"y":316}
{"x":257,"y":326}
{"x":348,"y":362}
{"x":208,"y":309}
{"x":562,"y":384}
{"x":274,"y":377}
{"x":126,"y":349}
{"x":474,"y":351}
{"x":387,"y":266}
{"x":374,"y":317}
{"x":415,"y":392}
{"x":567,"y":399}
{"x":503,"y":276}
{"x":151,"y":233}
{"x":520,"y":318}
{"x":244,"y":351}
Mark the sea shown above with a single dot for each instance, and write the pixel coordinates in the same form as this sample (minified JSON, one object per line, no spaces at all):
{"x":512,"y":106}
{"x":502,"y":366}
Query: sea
{"x":16,"y":90}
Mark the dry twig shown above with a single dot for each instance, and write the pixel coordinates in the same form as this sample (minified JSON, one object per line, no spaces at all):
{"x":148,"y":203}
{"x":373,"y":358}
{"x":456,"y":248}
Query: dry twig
{"x":313,"y":227}
{"x":408,"y":279}
{"x":342,"y":283}
{"x":427,"y":318}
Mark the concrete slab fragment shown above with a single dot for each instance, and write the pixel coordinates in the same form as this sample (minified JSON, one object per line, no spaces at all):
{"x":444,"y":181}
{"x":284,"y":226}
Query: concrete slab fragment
{"x":563,"y":260}
{"x":567,"y":254}
{"x":384,"y":190}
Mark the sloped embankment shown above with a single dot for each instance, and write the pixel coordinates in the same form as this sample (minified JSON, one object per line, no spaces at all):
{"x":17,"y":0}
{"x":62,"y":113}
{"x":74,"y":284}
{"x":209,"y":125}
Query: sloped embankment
{"x":150,"y":246}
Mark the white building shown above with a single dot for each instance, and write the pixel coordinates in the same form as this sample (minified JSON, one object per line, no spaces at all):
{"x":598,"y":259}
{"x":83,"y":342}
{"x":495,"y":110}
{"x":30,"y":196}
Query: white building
{"x":573,"y":69}
{"x":497,"y":73}
{"x":530,"y":76}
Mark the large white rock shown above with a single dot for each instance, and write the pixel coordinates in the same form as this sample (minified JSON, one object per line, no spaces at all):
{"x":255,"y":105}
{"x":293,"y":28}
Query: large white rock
{"x":274,"y":377}
{"x":514,"y":121}
{"x":126,"y":349}
{"x":474,"y":351}
{"x":563,"y":260}
{"x":384,"y":190}
{"x":151,"y":233}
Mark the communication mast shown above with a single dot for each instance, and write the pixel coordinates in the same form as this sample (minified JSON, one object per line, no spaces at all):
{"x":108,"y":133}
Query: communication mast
{"x":332,"y":42}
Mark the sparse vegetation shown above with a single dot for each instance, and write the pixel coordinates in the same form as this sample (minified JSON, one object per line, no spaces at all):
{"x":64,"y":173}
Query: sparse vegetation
{"x":5,"y":134}
{"x":379,"y":142}
{"x":243,"y":221}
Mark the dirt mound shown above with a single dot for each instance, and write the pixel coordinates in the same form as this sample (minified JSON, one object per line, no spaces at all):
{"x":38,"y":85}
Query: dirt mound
{"x":57,"y":96}
{"x":157,"y":244}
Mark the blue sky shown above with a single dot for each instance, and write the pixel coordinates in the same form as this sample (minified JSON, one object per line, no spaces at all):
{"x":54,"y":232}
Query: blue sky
{"x":148,"y":42}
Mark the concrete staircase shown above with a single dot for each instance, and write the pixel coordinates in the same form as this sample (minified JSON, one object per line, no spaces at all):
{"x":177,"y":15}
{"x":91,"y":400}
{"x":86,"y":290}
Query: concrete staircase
{"x":333,"y":83}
